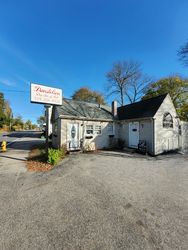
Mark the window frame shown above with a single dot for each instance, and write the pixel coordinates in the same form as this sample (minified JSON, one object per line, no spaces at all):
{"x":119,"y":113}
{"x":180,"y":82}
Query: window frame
{"x":110,"y":128}
{"x":98,"y":129}
{"x":168,"y":124}
{"x":91,"y":129}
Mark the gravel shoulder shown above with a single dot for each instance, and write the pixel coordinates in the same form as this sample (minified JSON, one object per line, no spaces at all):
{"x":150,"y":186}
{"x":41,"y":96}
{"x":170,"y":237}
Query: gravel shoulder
{"x":97,"y":201}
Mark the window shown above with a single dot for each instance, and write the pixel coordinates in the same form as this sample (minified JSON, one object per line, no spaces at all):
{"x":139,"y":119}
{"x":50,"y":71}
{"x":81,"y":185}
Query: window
{"x":98,"y":129}
{"x":110,"y":129}
{"x":89,"y":129}
{"x":167,"y":121}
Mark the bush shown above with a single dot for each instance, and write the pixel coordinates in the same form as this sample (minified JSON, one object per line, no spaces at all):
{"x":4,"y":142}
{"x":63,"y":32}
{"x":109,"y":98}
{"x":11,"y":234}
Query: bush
{"x":63,"y":150}
{"x":54,"y":156}
{"x":121,"y":143}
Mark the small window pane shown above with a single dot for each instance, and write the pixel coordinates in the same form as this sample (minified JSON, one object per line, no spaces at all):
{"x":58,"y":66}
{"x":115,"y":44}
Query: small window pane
{"x":89,"y":129}
{"x":110,"y":128}
{"x":98,"y":129}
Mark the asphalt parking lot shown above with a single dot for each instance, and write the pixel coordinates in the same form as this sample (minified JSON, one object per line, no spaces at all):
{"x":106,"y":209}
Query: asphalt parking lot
{"x":97,"y":201}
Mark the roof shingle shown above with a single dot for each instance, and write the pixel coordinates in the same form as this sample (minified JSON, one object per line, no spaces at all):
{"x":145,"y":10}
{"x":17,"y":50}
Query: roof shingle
{"x":142,"y":109}
{"x":80,"y":109}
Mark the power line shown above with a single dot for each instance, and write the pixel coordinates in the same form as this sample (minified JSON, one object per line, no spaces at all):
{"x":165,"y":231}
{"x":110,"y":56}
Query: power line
{"x":11,"y":90}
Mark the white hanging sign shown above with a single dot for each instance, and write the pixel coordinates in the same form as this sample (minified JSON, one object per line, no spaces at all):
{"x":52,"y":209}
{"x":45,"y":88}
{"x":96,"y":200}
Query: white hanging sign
{"x":45,"y":95}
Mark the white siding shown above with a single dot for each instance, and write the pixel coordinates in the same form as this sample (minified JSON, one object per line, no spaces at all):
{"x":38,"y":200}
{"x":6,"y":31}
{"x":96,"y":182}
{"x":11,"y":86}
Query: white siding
{"x":146,"y":134}
{"x":158,"y":138}
{"x":101,"y":140}
{"x":184,"y":136}
{"x":166,"y":139}
{"x":124,"y":132}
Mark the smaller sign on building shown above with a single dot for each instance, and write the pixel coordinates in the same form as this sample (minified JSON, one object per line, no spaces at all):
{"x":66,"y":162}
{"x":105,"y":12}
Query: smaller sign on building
{"x":45,"y":95}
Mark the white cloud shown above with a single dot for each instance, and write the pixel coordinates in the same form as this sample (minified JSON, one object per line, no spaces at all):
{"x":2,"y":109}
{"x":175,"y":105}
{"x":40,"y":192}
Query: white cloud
{"x":7,"y":82}
{"x":22,"y":58}
{"x":17,"y":54}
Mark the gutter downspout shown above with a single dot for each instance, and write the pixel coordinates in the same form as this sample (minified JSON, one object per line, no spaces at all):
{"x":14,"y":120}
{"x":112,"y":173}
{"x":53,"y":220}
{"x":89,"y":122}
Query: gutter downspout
{"x":59,"y":125}
{"x":83,"y":136}
{"x":179,"y":125}
{"x":153,"y":139}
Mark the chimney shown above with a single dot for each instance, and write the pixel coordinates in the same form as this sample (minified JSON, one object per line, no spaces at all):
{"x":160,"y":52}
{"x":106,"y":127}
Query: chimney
{"x":114,"y":108}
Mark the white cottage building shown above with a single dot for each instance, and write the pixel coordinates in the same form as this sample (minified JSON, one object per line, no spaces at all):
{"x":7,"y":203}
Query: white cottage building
{"x":79,"y":125}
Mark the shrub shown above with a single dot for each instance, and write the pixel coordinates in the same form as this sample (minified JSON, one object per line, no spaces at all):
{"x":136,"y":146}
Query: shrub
{"x":54,"y":156}
{"x":121,"y":143}
{"x":63,"y":150}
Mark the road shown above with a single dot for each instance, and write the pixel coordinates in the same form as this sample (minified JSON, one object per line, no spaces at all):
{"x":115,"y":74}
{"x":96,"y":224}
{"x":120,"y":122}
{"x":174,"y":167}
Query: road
{"x":18,"y":136}
{"x":18,"y":147}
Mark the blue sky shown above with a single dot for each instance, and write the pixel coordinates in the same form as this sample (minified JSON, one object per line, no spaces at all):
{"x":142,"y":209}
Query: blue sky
{"x":73,"y":43}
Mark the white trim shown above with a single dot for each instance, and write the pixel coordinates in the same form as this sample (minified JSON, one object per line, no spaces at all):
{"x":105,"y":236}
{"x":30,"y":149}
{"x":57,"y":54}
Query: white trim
{"x":89,"y":129}
{"x":84,"y":118}
{"x":98,"y":130}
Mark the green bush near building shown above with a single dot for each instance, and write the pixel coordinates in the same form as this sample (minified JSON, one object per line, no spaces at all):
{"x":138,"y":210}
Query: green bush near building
{"x":55,"y":155}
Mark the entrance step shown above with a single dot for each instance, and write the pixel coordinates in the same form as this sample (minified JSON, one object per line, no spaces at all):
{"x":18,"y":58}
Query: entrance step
{"x":130,"y":150}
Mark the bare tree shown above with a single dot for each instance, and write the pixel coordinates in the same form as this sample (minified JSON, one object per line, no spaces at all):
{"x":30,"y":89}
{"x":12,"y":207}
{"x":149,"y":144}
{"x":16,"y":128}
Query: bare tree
{"x":126,"y":80}
{"x":138,"y":84}
{"x":183,"y":54}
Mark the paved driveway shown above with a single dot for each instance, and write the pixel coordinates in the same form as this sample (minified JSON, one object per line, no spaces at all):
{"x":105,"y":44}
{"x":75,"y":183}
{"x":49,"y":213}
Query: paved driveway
{"x":97,"y":201}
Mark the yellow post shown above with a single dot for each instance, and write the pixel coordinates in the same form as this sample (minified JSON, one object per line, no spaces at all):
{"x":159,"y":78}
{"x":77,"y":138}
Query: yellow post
{"x":4,"y":146}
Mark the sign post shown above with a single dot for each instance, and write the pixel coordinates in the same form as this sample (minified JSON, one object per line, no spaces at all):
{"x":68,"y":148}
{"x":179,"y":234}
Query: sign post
{"x":49,"y":96}
{"x":47,"y":128}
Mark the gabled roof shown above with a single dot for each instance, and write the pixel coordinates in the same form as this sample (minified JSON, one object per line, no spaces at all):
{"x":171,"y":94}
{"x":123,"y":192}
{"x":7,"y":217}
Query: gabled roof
{"x":79,"y":109}
{"x":142,"y":109}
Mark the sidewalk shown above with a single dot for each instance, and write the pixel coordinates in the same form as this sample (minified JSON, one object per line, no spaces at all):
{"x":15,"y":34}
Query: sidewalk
{"x":13,"y":160}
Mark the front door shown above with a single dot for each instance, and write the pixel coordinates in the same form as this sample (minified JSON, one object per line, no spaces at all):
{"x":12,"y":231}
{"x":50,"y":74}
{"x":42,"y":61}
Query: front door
{"x":73,"y":136}
{"x":133,"y":134}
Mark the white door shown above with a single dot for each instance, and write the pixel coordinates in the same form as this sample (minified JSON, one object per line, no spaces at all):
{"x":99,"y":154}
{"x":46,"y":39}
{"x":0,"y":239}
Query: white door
{"x":73,"y":136}
{"x":133,"y":134}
